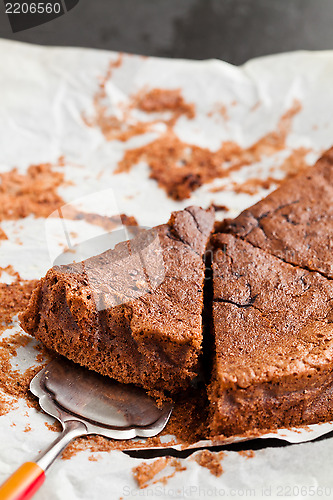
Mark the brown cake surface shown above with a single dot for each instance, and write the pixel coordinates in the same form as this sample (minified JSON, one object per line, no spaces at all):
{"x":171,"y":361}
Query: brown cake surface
{"x":295,"y":222}
{"x":132,"y":313}
{"x":273,"y":329}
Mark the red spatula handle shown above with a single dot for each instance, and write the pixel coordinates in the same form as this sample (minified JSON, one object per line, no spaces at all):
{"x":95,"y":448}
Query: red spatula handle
{"x":24,"y":483}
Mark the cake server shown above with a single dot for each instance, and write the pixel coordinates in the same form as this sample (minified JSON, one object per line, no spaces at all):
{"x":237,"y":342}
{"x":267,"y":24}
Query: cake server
{"x":85,"y":403}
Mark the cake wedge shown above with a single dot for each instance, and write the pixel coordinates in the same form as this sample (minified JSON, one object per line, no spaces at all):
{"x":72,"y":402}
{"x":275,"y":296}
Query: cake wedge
{"x":273,"y":341}
{"x":295,"y":222}
{"x":132,"y":313}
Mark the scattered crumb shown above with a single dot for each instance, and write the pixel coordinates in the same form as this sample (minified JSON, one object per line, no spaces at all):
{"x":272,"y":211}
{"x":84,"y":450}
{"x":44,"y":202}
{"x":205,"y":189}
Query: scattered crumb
{"x":256,"y":106}
{"x":3,"y":235}
{"x":187,"y":423}
{"x":13,"y":383}
{"x":56,"y":427}
{"x":107,"y":223}
{"x":296,"y":162}
{"x":181,"y":168}
{"x":253,"y":185}
{"x":219,"y":208}
{"x":161,"y":100}
{"x":12,"y":343}
{"x":222,"y":109}
{"x":109,"y":124}
{"x":13,"y":297}
{"x":94,"y":458}
{"x":246,"y":453}
{"x":149,"y":101}
{"x":147,"y":471}
{"x":27,"y":428}
{"x":178,"y":167}
{"x":293,"y":165}
{"x":34,"y":192}
{"x":211,"y":460}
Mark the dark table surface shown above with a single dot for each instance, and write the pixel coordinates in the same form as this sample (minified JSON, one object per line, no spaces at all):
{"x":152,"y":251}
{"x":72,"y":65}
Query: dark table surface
{"x":232,"y":30}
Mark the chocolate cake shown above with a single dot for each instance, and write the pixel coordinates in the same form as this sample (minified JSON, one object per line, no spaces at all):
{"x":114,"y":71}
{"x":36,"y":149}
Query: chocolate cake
{"x":132,"y":313}
{"x":295,"y":222}
{"x":273,"y":330}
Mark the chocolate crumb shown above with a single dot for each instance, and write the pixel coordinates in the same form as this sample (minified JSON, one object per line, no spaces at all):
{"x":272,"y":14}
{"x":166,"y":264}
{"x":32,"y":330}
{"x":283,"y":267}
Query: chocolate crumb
{"x":106,"y":222}
{"x":180,"y":168}
{"x":147,"y":471}
{"x":147,"y":100}
{"x":219,"y":208}
{"x":13,"y":383}
{"x":56,"y":427}
{"x":34,"y":192}
{"x":13,"y":297}
{"x":109,"y":124}
{"x":161,"y":100}
{"x":211,"y":460}
{"x":188,"y":423}
{"x":246,"y":453}
{"x":293,"y":165}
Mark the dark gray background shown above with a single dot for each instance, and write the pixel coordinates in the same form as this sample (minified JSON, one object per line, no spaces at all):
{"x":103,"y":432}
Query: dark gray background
{"x":232,"y":30}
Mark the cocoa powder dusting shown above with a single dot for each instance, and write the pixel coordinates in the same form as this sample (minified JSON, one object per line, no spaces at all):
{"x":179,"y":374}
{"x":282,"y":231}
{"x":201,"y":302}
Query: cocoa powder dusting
{"x":180,"y":168}
{"x":211,"y":461}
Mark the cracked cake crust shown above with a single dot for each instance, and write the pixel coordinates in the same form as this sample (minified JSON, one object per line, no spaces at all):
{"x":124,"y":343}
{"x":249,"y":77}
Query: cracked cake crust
{"x":273,"y":335}
{"x":295,"y":222}
{"x":132,"y":313}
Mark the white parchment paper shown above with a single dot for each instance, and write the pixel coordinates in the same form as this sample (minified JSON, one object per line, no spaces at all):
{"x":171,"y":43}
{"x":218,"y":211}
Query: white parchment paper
{"x":43,"y":92}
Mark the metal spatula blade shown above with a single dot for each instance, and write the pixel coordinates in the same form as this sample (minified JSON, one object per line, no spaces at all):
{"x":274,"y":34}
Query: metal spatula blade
{"x":85,"y":403}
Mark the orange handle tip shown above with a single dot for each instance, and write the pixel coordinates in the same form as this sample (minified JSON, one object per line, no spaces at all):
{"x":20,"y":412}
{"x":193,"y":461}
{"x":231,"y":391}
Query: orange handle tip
{"x":24,"y":483}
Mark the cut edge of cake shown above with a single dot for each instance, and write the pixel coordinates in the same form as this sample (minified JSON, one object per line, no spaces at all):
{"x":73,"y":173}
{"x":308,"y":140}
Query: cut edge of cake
{"x":154,"y":339}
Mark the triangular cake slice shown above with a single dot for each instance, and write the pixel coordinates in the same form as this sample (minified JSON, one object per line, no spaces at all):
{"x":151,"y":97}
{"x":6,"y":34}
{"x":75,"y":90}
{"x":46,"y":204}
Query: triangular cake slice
{"x":132,"y":313}
{"x":273,"y":334}
{"x":295,"y":222}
